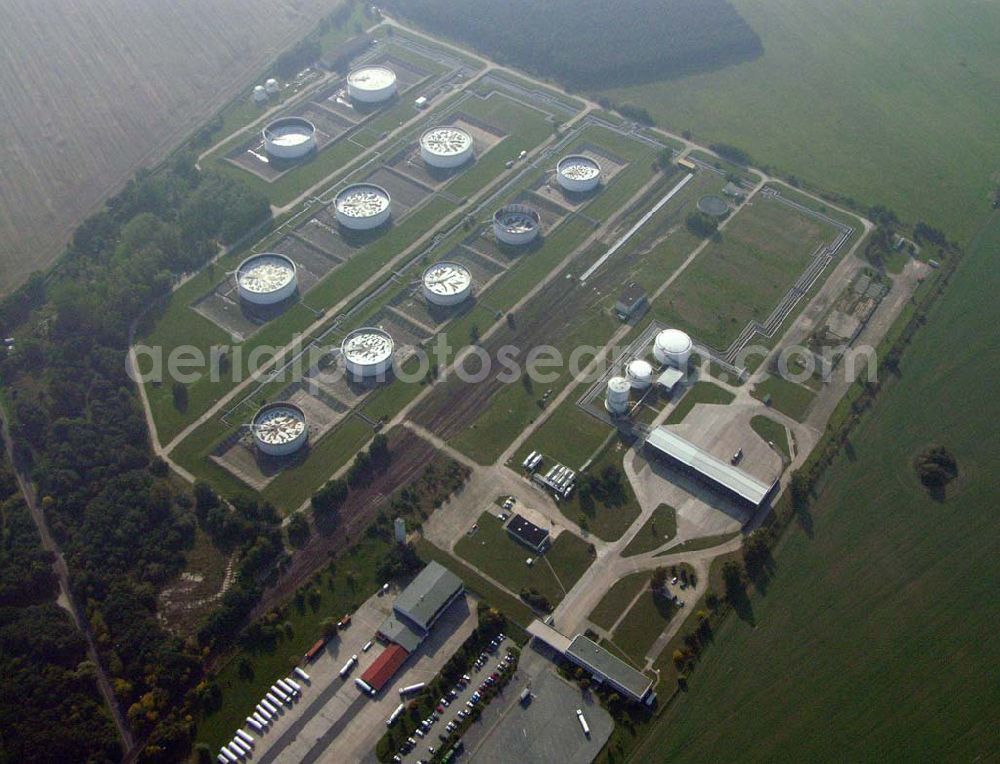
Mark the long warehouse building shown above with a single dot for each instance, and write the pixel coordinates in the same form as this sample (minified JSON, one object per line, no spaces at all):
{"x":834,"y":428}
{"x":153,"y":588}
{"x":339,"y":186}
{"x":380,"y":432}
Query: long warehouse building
{"x":731,"y":480}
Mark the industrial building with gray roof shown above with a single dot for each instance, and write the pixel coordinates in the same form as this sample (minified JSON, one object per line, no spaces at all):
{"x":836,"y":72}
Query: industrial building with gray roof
{"x":713,"y":470}
{"x":608,"y":668}
{"x":420,"y":604}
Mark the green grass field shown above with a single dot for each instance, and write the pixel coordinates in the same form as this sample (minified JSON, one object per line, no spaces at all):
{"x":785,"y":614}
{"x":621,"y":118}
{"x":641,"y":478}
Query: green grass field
{"x":642,"y":624}
{"x":878,"y":629}
{"x":607,"y":520}
{"x":657,"y":531}
{"x":773,"y":432}
{"x":742,"y":276}
{"x":700,"y":392}
{"x":787,"y":397}
{"x":891,"y":103}
{"x":495,"y":553}
{"x":616,"y":599}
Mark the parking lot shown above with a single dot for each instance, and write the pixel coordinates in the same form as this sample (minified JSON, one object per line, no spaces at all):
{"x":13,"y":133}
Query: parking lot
{"x":332,"y":720}
{"x":459,"y":704}
{"x":543,"y":731}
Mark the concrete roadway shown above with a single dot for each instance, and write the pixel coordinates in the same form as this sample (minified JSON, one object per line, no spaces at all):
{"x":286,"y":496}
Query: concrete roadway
{"x":333,"y":721}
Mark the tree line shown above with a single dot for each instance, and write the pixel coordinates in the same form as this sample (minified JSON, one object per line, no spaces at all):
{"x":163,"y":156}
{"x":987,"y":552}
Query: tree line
{"x":78,"y":424}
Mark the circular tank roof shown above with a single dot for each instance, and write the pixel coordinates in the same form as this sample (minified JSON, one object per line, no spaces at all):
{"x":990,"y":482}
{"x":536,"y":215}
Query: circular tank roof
{"x":371,"y":77}
{"x":290,"y":131}
{"x":367,"y":346}
{"x":279,"y":423}
{"x":517,"y":218}
{"x":673,"y":341}
{"x":362,"y":200}
{"x":619,"y":385}
{"x":446,"y":278}
{"x":578,"y":167}
{"x":446,"y":141}
{"x":640,"y":369}
{"x":269,"y":272}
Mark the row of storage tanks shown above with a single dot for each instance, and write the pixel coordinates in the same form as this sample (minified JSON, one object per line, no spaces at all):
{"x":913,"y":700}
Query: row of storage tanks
{"x":671,"y":348}
{"x":271,"y":278}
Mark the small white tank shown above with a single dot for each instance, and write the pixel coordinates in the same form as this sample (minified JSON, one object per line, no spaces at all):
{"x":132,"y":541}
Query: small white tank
{"x":616,"y":400}
{"x":271,"y":86}
{"x":639,"y":374}
{"x":259,"y":94}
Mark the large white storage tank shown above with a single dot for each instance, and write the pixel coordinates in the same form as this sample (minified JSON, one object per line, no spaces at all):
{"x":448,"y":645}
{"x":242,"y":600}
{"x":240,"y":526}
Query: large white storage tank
{"x":578,"y":173}
{"x":639,"y":374}
{"x":371,"y":84}
{"x":367,"y":352}
{"x":266,"y":279}
{"x":362,"y":206}
{"x":447,"y":283}
{"x":672,"y":347}
{"x":289,"y":137}
{"x":516,"y":224}
{"x":446,"y":147}
{"x":280,"y":429}
{"x":616,"y":400}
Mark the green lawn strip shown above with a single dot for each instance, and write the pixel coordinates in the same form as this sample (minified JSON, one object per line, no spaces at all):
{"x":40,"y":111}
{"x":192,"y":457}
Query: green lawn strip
{"x":617,"y":598}
{"x":496,"y":554}
{"x":772,"y":432}
{"x":787,"y":397}
{"x":699,"y":392}
{"x":729,"y":168}
{"x":703,"y":542}
{"x":660,"y":528}
{"x":642,"y":624}
{"x":530,"y":85}
{"x":512,"y":607}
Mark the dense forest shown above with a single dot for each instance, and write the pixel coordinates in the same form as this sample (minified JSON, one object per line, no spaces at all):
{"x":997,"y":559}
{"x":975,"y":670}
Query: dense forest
{"x":594,"y":44}
{"x":122,"y":524}
{"x":48,"y":683}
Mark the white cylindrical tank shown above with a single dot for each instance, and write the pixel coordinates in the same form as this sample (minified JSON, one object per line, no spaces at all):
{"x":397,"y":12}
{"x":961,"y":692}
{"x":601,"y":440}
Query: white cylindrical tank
{"x":367,"y":352}
{"x":280,"y":429}
{"x":516,"y":224}
{"x":578,"y":173}
{"x":616,"y":400}
{"x":447,"y":283}
{"x":259,"y":94}
{"x":446,"y":147}
{"x":289,"y":137}
{"x":672,"y":347}
{"x":266,"y":279}
{"x":639,"y":374}
{"x":362,"y":206}
{"x":371,"y":84}
{"x":271,"y":86}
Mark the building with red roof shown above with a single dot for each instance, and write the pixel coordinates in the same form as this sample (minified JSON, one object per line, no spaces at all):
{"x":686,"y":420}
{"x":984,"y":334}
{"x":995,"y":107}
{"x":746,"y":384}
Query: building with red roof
{"x":385,"y":667}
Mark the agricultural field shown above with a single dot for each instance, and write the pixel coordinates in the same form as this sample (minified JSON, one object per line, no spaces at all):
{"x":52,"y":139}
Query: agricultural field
{"x":890,"y":649}
{"x":890,"y":103}
{"x":93,"y":90}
